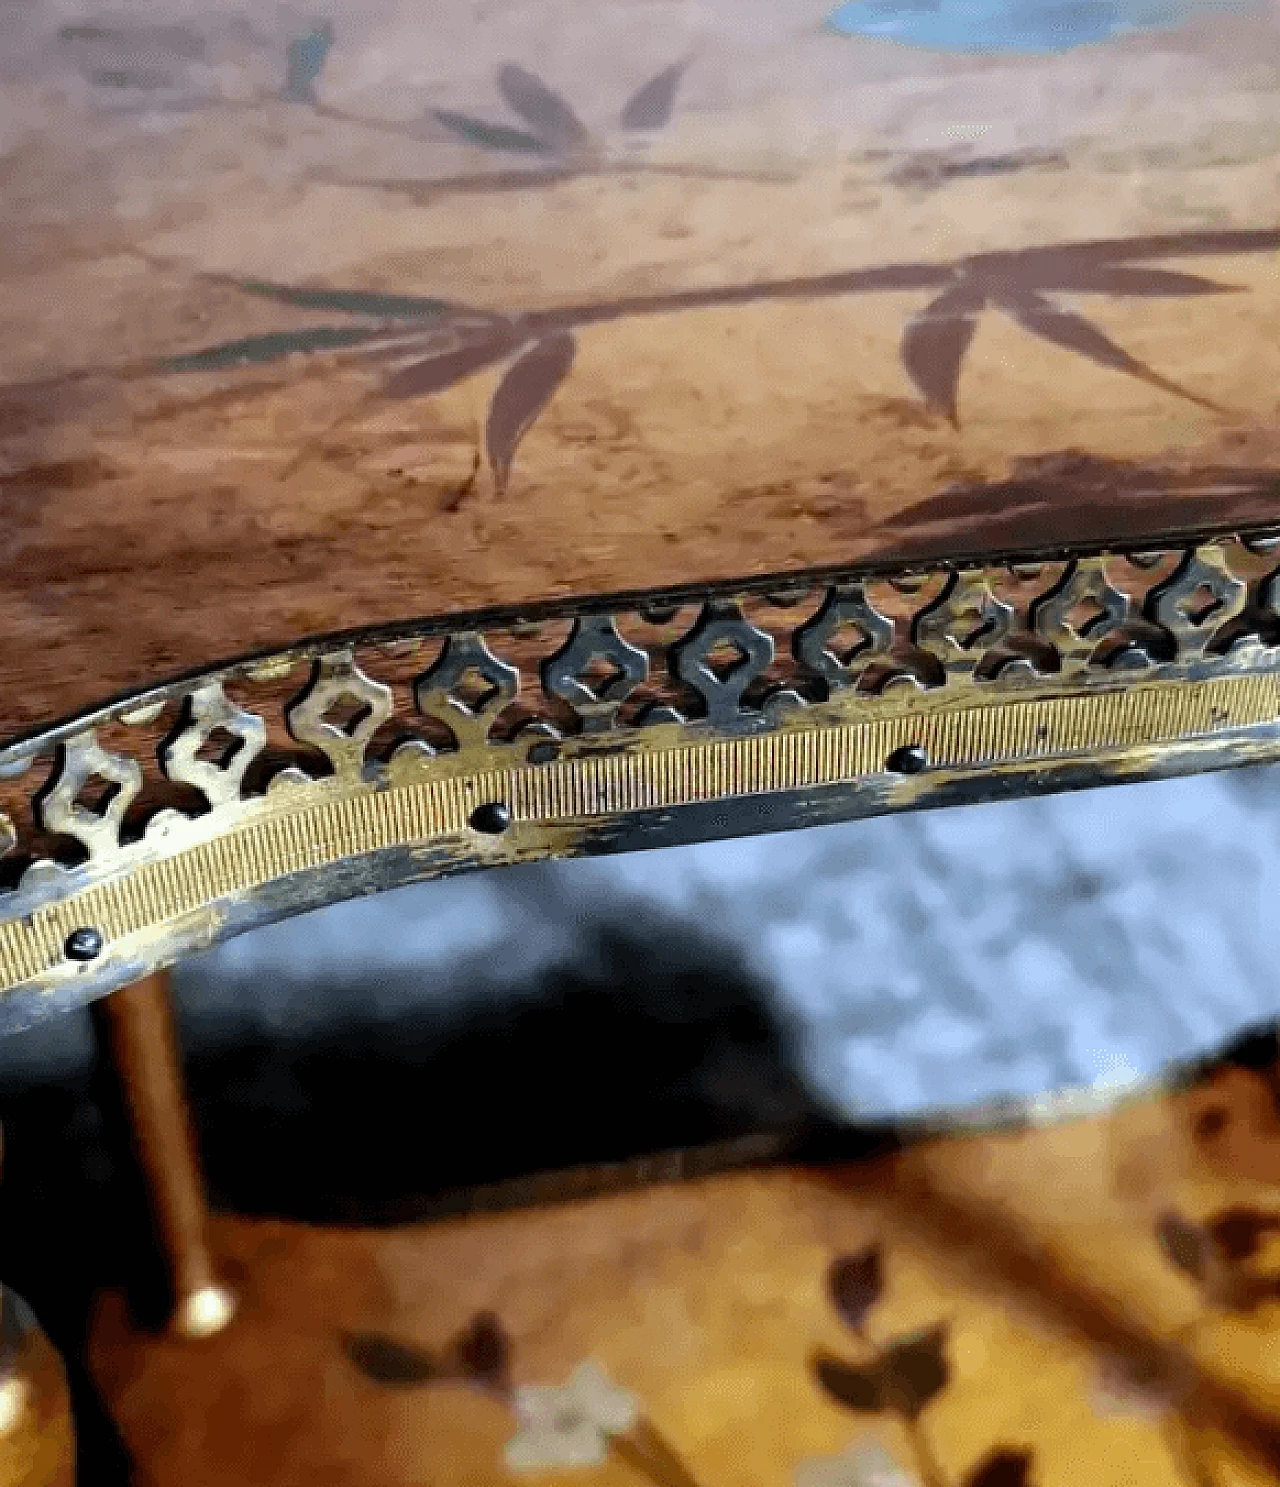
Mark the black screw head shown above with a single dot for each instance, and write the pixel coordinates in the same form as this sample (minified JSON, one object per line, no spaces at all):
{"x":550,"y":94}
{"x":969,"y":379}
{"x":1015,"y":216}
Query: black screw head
{"x":84,"y":943}
{"x":910,"y":759}
{"x":492,"y":818}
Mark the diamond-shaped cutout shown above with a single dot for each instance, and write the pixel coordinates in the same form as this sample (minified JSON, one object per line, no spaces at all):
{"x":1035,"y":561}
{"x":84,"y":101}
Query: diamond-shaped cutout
{"x":219,"y":747}
{"x":1202,"y":597}
{"x":971,"y":627}
{"x":339,"y":711}
{"x":847,"y":642}
{"x":1081,"y":610}
{"x":846,"y":635}
{"x":347,"y":713}
{"x":96,"y":796}
{"x":724,"y":658}
{"x":466,"y":688}
{"x":474,"y":690}
{"x":1085,"y":615}
{"x":213,"y":745}
{"x":1201,"y":604}
{"x":600,"y":675}
{"x":88,"y":794}
{"x":595,"y":671}
{"x":720,"y":658}
{"x":969,"y":619}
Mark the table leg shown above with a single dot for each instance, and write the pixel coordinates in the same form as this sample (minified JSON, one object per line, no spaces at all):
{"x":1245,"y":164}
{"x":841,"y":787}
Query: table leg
{"x":141,"y":1036}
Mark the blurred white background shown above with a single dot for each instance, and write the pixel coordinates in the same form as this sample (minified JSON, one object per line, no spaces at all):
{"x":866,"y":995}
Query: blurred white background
{"x":923,"y":962}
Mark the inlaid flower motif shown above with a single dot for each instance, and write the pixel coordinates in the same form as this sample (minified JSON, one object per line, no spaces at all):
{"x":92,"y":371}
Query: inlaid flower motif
{"x":1122,"y":1387}
{"x":864,"y":1464}
{"x":569,"y":1424}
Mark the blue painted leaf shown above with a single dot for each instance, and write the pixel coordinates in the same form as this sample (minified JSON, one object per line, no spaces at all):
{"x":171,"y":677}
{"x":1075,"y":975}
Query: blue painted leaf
{"x":349,"y":301}
{"x":305,"y":58}
{"x":491,"y":136}
{"x":273,"y":346}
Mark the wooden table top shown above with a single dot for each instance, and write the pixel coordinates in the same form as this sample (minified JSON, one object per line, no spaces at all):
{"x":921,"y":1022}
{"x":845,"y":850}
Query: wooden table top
{"x":321,"y":327}
{"x":309,"y":325}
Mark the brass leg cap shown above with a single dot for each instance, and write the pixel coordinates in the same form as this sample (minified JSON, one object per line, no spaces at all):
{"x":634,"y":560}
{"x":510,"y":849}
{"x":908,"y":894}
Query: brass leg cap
{"x":204,"y":1312}
{"x":14,"y":1401}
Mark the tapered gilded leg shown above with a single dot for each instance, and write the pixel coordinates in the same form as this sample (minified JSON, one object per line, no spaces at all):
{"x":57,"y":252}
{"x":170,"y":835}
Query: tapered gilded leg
{"x":141,"y":1037}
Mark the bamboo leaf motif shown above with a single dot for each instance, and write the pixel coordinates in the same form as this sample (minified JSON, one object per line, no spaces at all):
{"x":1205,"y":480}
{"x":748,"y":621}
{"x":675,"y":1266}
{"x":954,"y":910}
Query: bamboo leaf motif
{"x":1184,"y":1244}
{"x":490,"y":136}
{"x":934,"y":344}
{"x":272,"y":346}
{"x":1211,"y":244}
{"x":650,"y":107}
{"x":1119,"y":278}
{"x":432,"y":343}
{"x":479,"y":1355}
{"x":1240,"y":1232}
{"x":548,"y":114}
{"x":457,"y":362}
{"x":482,"y":1353}
{"x":903,"y":1378}
{"x":348,"y":301}
{"x":1044,"y":319}
{"x":529,"y":385}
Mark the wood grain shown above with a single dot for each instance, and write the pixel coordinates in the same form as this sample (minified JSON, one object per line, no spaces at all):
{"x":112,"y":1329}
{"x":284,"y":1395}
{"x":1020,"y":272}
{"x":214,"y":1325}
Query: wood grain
{"x":707,"y":1301}
{"x":183,"y":480}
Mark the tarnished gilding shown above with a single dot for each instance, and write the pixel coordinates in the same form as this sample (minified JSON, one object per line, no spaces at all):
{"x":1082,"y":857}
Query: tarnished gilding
{"x":172,"y":818}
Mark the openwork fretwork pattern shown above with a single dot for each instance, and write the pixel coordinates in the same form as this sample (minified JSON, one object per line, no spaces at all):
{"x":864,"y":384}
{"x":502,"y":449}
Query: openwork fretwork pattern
{"x":538,"y":685}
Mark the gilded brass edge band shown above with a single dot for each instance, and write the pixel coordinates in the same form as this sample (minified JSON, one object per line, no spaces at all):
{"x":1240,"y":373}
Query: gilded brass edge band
{"x":176,"y":816}
{"x":308,"y":829}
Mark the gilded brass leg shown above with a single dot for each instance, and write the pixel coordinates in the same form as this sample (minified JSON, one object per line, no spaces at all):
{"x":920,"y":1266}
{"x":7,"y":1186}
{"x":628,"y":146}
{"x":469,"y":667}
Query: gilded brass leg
{"x":138,"y":1025}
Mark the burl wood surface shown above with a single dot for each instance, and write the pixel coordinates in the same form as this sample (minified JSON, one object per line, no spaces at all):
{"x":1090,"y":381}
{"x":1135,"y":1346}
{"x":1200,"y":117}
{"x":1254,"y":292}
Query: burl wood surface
{"x":1030,"y":1298}
{"x":674,"y":292}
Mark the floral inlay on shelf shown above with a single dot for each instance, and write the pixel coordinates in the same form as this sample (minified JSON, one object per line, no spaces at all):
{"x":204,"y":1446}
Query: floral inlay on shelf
{"x":898,"y":1377}
{"x":581,"y":1423}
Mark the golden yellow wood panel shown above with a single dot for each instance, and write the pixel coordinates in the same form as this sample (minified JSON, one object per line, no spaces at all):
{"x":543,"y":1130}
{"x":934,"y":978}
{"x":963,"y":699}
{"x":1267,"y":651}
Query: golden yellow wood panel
{"x":37,"y":1447}
{"x":701,"y":1311}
